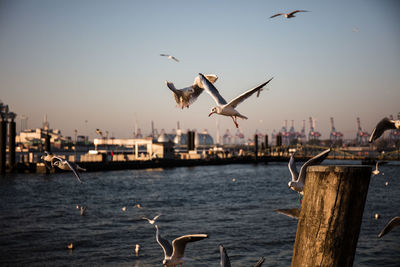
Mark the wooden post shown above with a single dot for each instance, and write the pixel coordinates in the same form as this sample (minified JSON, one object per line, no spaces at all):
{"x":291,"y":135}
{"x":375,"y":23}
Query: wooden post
{"x":330,"y":216}
{"x":256,"y":146}
{"x":3,"y":144}
{"x":11,"y":144}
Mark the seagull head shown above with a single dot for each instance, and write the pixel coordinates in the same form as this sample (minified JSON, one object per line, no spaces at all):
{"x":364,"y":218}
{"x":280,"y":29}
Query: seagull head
{"x":397,"y":124}
{"x":213,"y":110}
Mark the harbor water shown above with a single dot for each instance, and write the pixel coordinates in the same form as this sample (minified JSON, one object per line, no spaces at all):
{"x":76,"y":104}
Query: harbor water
{"x":234,"y":204}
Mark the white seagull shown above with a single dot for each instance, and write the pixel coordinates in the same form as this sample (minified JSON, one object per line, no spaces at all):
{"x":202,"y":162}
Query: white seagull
{"x":298,"y":180}
{"x":188,"y":95}
{"x":225,"y":262}
{"x":376,"y":171}
{"x":224,"y":108}
{"x":48,"y":157}
{"x":170,"y":57}
{"x":383,"y":125}
{"x":288,"y":15}
{"x":65,"y":165}
{"x":174,"y":255}
{"x":153,"y":220}
{"x":393,"y":223}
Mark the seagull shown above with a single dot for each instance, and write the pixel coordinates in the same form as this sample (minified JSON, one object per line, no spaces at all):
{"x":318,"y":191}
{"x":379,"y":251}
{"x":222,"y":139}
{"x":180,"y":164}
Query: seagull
{"x":188,"y":95}
{"x":224,"y":108}
{"x":293,"y":213}
{"x":48,"y":157}
{"x":65,"y":165}
{"x":137,"y":248}
{"x":151,"y":221}
{"x":138,"y":206}
{"x":298,"y":180}
{"x":225,"y":262}
{"x":174,"y":255}
{"x":288,"y":15}
{"x":393,"y":223}
{"x":383,"y":125}
{"x":83,"y":209}
{"x":376,"y":171}
{"x":170,"y":57}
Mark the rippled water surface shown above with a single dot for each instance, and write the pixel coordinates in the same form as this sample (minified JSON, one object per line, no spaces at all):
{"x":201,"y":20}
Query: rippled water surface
{"x":232,"y":203}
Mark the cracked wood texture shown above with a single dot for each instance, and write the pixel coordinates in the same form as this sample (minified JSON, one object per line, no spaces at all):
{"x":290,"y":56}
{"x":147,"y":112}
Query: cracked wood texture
{"x":330,"y":217}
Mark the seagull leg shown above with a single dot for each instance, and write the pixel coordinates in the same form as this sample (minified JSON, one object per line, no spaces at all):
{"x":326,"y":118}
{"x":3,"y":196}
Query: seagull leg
{"x":299,"y":198}
{"x":234,"y":121}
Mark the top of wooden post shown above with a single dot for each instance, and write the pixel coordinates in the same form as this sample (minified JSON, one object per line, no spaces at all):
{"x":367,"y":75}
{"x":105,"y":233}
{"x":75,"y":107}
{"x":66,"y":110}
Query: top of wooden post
{"x":339,"y":168}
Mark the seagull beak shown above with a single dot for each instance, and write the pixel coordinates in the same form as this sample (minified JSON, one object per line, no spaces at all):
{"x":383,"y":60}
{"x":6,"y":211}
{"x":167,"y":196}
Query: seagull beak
{"x":210,"y":114}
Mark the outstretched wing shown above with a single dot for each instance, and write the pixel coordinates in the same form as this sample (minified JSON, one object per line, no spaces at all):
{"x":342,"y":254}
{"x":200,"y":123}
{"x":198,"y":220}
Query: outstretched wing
{"x":246,"y":95}
{"x":294,"y":213}
{"x":296,"y":11}
{"x":313,"y":161}
{"x":278,"y":14}
{"x":381,"y":127}
{"x":212,"y":91}
{"x":165,"y":245}
{"x":179,"y":243}
{"x":393,"y":223}
{"x":292,"y":168}
{"x":259,"y":262}
{"x":225,"y":262}
{"x":174,"y":58}
{"x":74,"y":170}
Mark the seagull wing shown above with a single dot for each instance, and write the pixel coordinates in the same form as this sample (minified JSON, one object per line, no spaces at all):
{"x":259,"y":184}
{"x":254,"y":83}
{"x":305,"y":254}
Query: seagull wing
{"x":294,"y":213}
{"x":382,"y":126}
{"x":175,"y":92}
{"x":165,"y":245}
{"x":393,"y":223}
{"x":292,"y":168}
{"x":174,"y":58}
{"x":145,"y":218}
{"x":225,"y":262}
{"x":313,"y":161}
{"x":164,"y":55}
{"x":212,"y":91}
{"x":259,"y":262}
{"x":179,"y":244}
{"x":278,"y":14}
{"x":156,"y":217}
{"x":296,"y":11}
{"x":246,"y":95}
{"x":55,"y":158}
{"x":74,"y":170}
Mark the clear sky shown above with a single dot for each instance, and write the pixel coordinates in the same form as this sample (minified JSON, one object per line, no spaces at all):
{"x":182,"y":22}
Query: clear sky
{"x":99,"y":61}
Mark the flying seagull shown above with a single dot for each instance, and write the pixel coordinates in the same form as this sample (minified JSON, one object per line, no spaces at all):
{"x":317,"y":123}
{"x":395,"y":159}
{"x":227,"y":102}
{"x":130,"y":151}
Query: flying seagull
{"x":225,"y":262}
{"x":383,"y":125}
{"x":47,"y":158}
{"x":376,"y":171}
{"x":153,"y":220}
{"x":393,"y":223}
{"x":174,"y":255}
{"x":65,"y":165}
{"x":224,"y":108}
{"x":188,"y":95}
{"x":288,"y":15}
{"x":170,"y":57}
{"x":298,"y":180}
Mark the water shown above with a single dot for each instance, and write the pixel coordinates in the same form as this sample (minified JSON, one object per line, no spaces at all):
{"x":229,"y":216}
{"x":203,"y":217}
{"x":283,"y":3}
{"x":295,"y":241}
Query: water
{"x":38,"y":216}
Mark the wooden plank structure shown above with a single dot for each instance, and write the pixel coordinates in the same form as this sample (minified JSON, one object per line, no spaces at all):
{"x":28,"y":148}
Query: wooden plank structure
{"x":330,"y":217}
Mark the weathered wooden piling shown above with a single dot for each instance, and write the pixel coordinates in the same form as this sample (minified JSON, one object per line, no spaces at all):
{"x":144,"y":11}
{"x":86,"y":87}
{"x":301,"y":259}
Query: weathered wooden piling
{"x":266,"y":141}
{"x":279,"y":140}
{"x":11,"y":145}
{"x":330,"y":216}
{"x":256,"y":146}
{"x":3,"y":144}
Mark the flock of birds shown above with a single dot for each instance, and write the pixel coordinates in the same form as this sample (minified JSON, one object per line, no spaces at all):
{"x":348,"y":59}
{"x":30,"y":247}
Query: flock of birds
{"x":174,"y":254}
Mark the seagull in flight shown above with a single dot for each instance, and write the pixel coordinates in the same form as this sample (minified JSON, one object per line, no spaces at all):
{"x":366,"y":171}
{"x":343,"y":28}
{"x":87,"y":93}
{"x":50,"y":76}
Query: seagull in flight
{"x":288,"y":15}
{"x":393,"y":223}
{"x":65,"y":165}
{"x":174,"y":255}
{"x":376,"y":171}
{"x":224,"y":108}
{"x":170,"y":57}
{"x":383,"y":125}
{"x":298,"y":180}
{"x":225,"y":262}
{"x":188,"y":95}
{"x":153,"y":220}
{"x":48,"y":157}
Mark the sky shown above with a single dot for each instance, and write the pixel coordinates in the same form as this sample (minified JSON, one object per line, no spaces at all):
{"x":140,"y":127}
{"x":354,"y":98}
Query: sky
{"x":97,"y":64}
